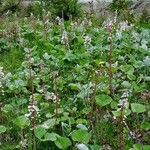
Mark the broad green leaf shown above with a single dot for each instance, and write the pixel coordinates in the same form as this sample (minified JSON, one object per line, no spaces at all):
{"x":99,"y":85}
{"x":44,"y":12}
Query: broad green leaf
{"x":114,"y":105}
{"x":2,"y":129}
{"x":49,"y":123}
{"x":69,"y":56}
{"x":8,"y":108}
{"x":50,"y":137}
{"x":81,"y":136}
{"x":116,"y":113}
{"x":74,"y":86}
{"x":62,"y":143}
{"x":131,"y":77}
{"x":146,"y":147}
{"x":82,"y":147}
{"x":126,"y":84}
{"x":137,"y":147}
{"x":81,"y":126}
{"x":140,"y":147}
{"x":22,"y":121}
{"x":145,"y":125}
{"x":146,"y":78}
{"x":40,"y":132}
{"x":103,"y":100}
{"x":128,"y":69}
{"x":21,"y":101}
{"x":138,"y":108}
{"x":126,"y":112}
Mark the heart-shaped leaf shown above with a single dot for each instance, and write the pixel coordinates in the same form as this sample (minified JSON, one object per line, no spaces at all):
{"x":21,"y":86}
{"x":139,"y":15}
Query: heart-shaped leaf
{"x":81,"y":136}
{"x":62,"y":142}
{"x":138,"y":108}
{"x":103,"y":100}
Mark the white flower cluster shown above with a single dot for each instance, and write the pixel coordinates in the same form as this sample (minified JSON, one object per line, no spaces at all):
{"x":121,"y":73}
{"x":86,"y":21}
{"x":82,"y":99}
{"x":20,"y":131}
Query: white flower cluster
{"x":107,"y":23}
{"x":123,"y":103}
{"x":23,"y":143}
{"x":86,"y":22}
{"x":51,"y":96}
{"x":124,"y":25}
{"x":87,"y":40}
{"x":1,"y":80}
{"x":47,"y":23}
{"x":59,"y":21}
{"x":32,"y":108}
{"x":64,"y":38}
{"x":106,"y":147}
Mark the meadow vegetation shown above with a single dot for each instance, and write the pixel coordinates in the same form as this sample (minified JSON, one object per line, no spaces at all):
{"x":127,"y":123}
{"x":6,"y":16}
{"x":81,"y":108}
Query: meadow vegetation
{"x":74,"y":81}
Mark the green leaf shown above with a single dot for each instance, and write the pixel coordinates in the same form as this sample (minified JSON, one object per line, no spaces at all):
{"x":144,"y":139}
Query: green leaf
{"x":140,"y":147}
{"x":146,"y":147}
{"x":62,"y":142}
{"x":137,"y":147}
{"x":50,"y":137}
{"x":145,"y":125}
{"x":116,"y":113}
{"x":22,"y":121}
{"x":49,"y":123}
{"x":126,"y":84}
{"x":81,"y":126}
{"x":103,"y":100}
{"x":81,"y":136}
{"x":2,"y":129}
{"x":82,"y":147}
{"x":138,"y":108}
{"x":114,"y":105}
{"x":128,"y":69}
{"x":8,"y":108}
{"x":40,"y":132}
{"x":74,"y":86}
{"x":126,"y":112}
{"x":69,"y":56}
{"x":21,"y":101}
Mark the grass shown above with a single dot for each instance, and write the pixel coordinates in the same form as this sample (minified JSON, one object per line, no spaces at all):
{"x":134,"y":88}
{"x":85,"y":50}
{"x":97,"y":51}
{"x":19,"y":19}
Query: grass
{"x":11,"y":60}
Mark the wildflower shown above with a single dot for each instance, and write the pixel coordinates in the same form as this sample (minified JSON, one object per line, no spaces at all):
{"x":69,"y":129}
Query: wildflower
{"x":90,"y":23}
{"x":32,"y":108}
{"x":64,"y":38}
{"x":87,"y":40}
{"x":59,"y":21}
{"x":85,"y":22}
{"x":108,"y":23}
{"x":24,"y":143}
{"x":123,"y":103}
{"x":106,"y":147}
{"x":135,"y":135}
{"x":51,"y":96}
{"x":1,"y":72}
{"x":1,"y":80}
{"x":123,"y":26}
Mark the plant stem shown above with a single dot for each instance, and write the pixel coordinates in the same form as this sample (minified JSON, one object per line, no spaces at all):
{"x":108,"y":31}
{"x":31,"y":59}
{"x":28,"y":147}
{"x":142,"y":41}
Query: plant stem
{"x":110,"y":61}
{"x":32,"y":103}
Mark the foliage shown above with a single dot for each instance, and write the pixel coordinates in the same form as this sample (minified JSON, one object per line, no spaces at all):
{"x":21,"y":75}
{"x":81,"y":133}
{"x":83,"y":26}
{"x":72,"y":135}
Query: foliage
{"x":69,"y":8}
{"x":9,"y":5}
{"x":78,"y":86}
